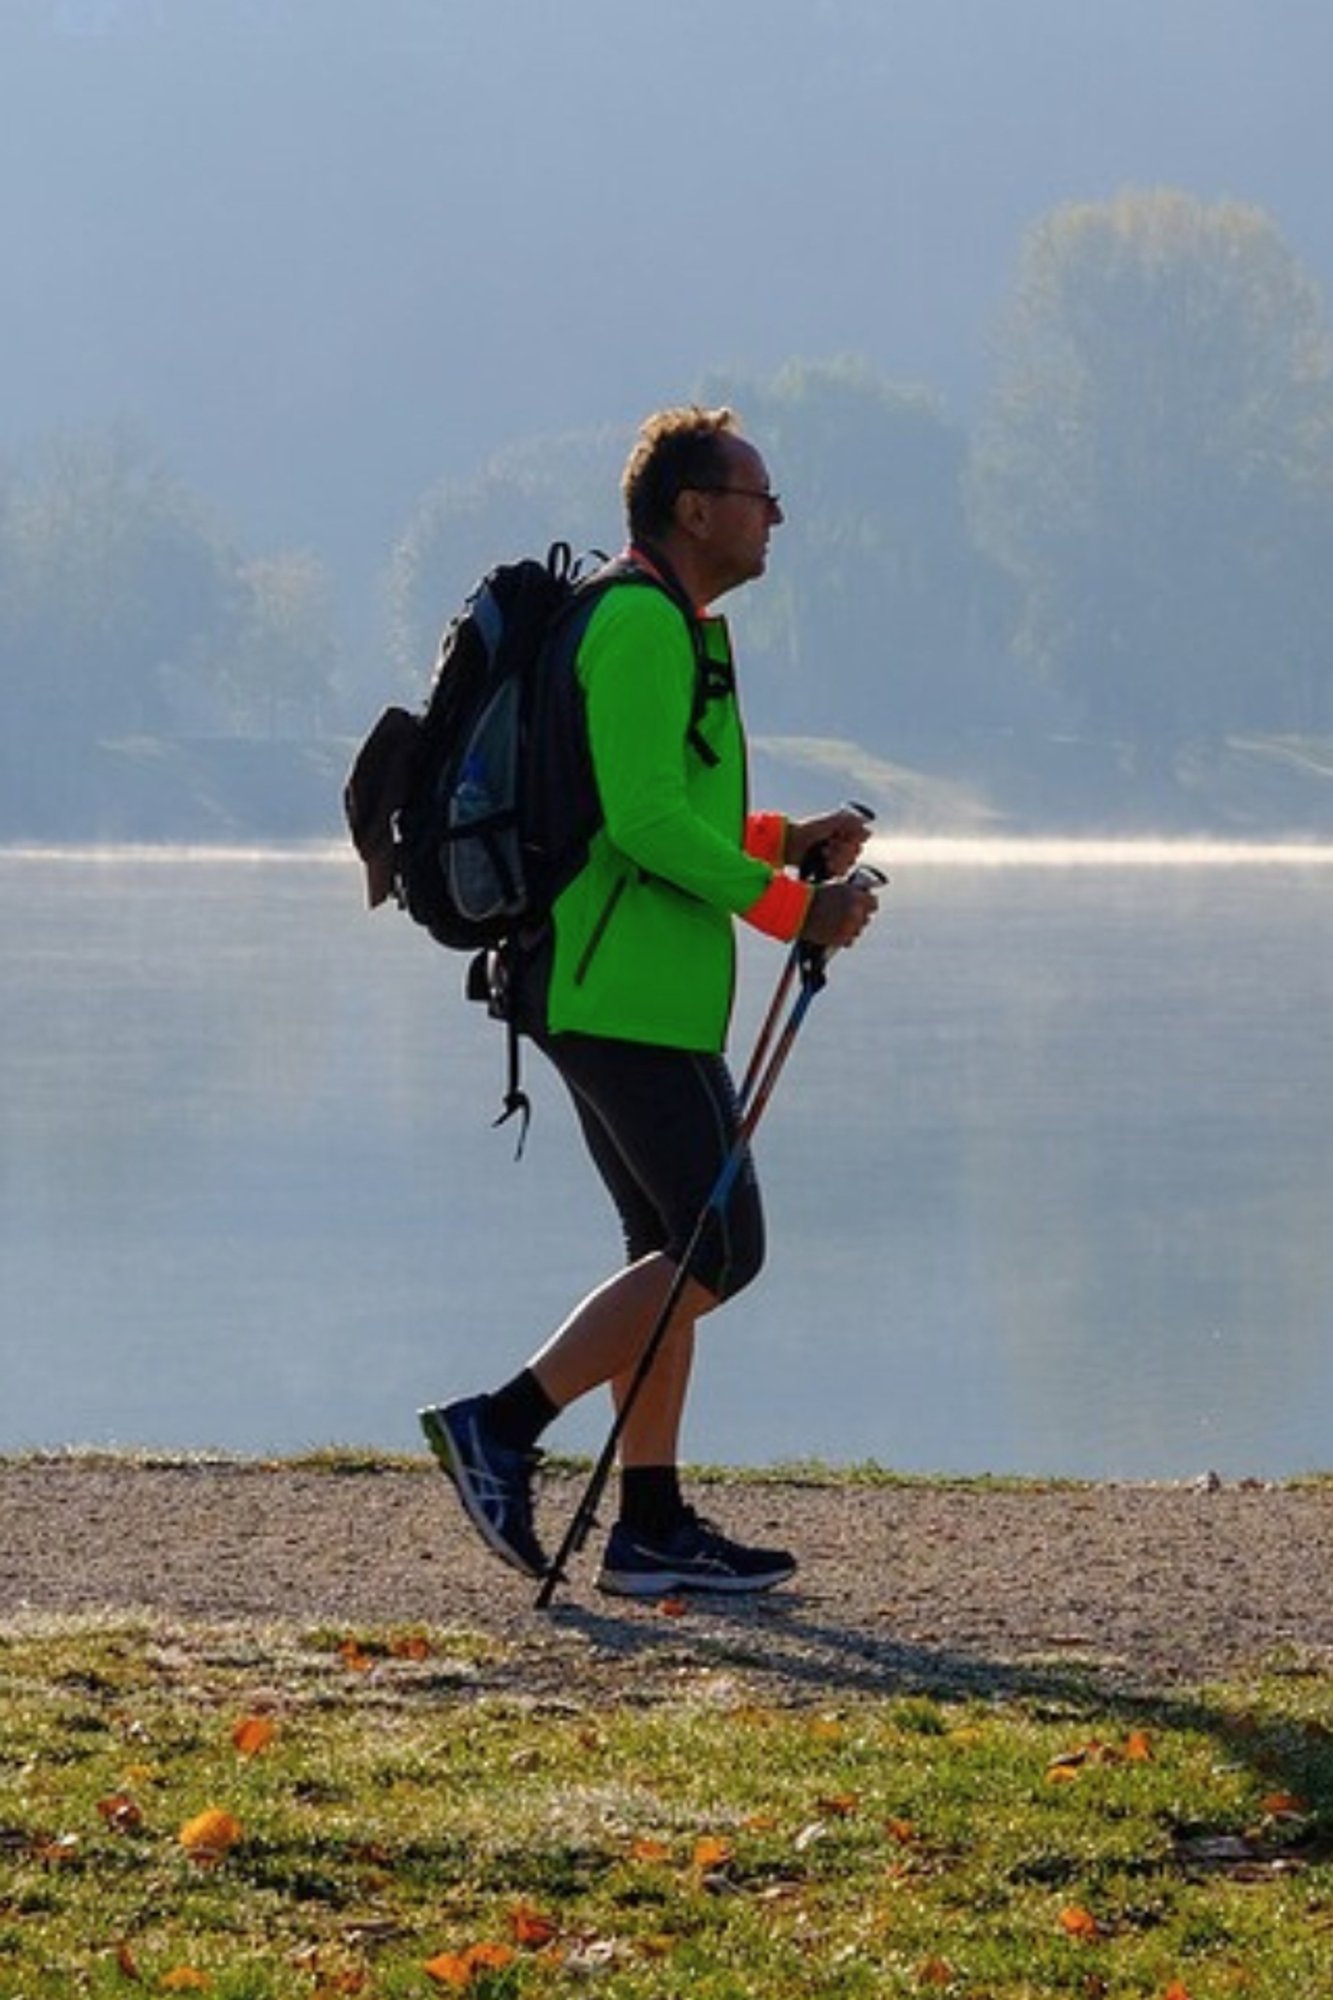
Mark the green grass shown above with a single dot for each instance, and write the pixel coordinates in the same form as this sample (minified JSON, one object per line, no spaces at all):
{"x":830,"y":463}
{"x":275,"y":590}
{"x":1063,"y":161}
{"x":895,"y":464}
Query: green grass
{"x":355,"y":1460}
{"x":369,"y":1461}
{"x":907,"y":1846}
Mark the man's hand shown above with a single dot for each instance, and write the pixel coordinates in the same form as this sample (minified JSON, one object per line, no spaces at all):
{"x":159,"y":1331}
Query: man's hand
{"x":838,"y":836}
{"x":838,"y":913}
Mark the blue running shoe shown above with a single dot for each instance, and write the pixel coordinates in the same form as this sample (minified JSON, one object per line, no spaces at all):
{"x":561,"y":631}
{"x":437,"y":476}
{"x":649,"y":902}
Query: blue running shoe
{"x":494,"y":1483}
{"x":694,"y":1556}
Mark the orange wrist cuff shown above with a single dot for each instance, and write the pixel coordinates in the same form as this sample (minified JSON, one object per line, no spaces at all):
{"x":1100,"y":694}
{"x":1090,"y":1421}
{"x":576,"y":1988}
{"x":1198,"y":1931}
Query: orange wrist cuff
{"x":766,"y":837}
{"x":781,"y":910}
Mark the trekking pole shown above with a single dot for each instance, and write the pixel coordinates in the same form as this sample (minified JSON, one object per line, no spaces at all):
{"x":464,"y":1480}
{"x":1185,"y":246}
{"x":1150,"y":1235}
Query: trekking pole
{"x":576,"y":1534}
{"x":810,"y":960}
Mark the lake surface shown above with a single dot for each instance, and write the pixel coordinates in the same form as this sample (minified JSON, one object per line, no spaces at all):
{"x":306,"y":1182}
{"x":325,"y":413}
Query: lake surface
{"x":1049,"y":1175}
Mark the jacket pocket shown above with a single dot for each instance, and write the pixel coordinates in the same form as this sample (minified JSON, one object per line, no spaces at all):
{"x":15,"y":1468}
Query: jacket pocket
{"x":599,"y":930}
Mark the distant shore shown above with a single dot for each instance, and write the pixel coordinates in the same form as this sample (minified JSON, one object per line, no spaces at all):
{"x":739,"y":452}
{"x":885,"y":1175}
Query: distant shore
{"x":145,"y":789}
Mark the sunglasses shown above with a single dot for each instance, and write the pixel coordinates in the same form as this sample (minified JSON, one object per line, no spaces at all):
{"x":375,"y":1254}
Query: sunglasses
{"x":773,"y":501}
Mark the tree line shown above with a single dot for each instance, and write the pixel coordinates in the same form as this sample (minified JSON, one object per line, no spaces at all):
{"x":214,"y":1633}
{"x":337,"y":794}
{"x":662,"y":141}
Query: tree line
{"x":1131,"y":543}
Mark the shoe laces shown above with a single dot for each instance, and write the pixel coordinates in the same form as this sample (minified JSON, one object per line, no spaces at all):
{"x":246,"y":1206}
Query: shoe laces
{"x":701,"y":1525}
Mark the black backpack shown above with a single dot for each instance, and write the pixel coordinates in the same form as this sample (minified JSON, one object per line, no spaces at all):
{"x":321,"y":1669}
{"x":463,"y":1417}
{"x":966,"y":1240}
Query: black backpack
{"x":438,"y":801}
{"x":475,"y":812}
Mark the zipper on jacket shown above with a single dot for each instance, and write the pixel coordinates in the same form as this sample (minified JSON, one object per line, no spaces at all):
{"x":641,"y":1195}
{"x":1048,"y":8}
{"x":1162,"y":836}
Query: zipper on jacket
{"x":590,"y":949}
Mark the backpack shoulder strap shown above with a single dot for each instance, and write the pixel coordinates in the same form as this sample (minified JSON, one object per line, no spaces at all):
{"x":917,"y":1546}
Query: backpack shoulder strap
{"x":712,"y":679}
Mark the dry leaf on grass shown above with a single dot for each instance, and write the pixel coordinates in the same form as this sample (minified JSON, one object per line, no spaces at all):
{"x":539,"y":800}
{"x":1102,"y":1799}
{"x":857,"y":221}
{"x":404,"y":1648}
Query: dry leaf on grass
{"x":252,"y":1734}
{"x":531,"y":1928}
{"x":410,"y":1646}
{"x":207,"y":1837}
{"x":710,"y":1852}
{"x":460,"y":1968}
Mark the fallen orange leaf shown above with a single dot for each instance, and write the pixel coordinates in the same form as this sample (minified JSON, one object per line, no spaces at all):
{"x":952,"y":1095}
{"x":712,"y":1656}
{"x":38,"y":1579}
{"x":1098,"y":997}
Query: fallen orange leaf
{"x":411,"y":1646}
{"x":126,"y":1963}
{"x":459,"y":1968}
{"x":184,"y":1979}
{"x":650,"y":1850}
{"x":1138,"y":1747}
{"x":1176,"y":1991}
{"x":489,"y":1956}
{"x":352,"y":1657}
{"x":531,"y":1928}
{"x":1282,"y":1804}
{"x":901,"y":1830}
{"x":710,"y":1852}
{"x":840,"y":1806}
{"x":673,"y":1607}
{"x":252,"y":1734}
{"x":208,"y":1835}
{"x":1079,"y":1923}
{"x":449,"y":1968}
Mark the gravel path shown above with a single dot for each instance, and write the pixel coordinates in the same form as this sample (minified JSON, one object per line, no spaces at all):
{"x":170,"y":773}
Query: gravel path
{"x":1138,"y":1588}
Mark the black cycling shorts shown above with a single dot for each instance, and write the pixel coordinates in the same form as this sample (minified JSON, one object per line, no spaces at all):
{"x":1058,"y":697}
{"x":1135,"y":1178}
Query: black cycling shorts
{"x":660,"y":1125}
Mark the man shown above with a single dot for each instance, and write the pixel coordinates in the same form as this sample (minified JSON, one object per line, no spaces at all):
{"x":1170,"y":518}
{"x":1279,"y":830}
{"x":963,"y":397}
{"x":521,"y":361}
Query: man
{"x":630,"y":995}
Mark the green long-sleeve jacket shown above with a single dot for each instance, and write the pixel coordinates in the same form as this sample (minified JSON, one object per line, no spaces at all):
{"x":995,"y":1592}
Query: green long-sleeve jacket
{"x":643,"y":945}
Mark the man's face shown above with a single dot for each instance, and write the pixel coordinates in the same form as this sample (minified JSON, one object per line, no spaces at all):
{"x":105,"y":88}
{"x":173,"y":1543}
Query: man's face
{"x":742,"y":513}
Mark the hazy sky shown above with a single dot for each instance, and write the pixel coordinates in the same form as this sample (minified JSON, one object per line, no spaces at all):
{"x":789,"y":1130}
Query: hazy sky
{"x":328,"y":250}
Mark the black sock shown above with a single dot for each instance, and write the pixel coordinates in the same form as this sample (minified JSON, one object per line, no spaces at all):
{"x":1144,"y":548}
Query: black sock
{"x":650,"y":1500}
{"x":518,"y":1414}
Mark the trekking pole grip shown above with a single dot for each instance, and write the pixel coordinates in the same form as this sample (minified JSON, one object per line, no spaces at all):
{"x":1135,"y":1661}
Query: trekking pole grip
{"x":813,"y":958}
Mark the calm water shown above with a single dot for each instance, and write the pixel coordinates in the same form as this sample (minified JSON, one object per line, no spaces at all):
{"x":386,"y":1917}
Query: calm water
{"x":1049,"y":1178}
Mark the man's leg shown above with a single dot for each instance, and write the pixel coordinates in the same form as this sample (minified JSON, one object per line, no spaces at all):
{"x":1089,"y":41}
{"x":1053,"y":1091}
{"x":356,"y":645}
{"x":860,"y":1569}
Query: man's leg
{"x":602,"y":1341}
{"x":673,"y":1152}
{"x":660,"y":1125}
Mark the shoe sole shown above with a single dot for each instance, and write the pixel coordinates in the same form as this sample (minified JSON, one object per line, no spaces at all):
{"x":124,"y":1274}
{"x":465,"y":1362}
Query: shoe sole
{"x":441,"y":1441}
{"x":654,"y":1583}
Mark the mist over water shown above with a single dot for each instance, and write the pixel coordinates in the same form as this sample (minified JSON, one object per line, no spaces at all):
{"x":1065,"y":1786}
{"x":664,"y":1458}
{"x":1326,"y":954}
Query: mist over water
{"x":955,"y":851}
{"x":1048,"y":1176}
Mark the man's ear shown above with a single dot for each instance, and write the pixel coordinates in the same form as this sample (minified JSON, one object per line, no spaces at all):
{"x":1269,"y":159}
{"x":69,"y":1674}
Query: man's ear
{"x":691,"y":513}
